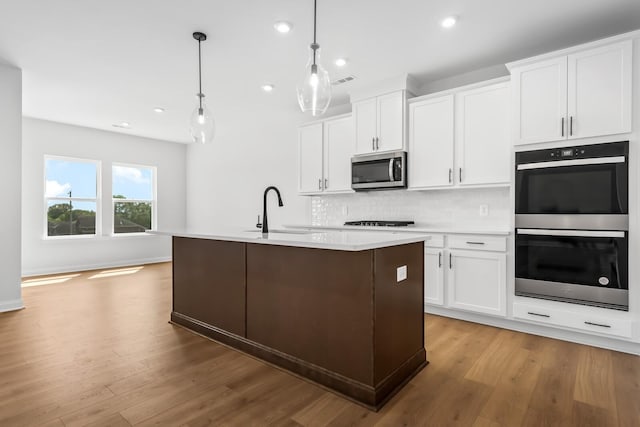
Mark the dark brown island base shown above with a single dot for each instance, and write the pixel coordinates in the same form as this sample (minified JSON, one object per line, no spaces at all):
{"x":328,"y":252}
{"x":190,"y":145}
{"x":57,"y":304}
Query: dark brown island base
{"x":322,"y":308}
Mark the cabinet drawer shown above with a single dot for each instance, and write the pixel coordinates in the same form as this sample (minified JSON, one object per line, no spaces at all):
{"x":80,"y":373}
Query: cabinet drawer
{"x":568,"y":319}
{"x":480,"y":243}
{"x":436,"y":241}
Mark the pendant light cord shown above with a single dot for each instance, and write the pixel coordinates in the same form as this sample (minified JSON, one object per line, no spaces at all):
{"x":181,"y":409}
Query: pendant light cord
{"x":315,"y":48}
{"x":200,"y":95}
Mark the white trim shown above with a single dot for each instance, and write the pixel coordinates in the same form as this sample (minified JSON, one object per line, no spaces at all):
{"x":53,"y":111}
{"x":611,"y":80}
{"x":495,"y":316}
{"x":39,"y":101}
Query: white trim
{"x":11,"y":305}
{"x":574,"y":162}
{"x":454,"y":91}
{"x":574,"y":49}
{"x":622,"y":345}
{"x":87,"y":267}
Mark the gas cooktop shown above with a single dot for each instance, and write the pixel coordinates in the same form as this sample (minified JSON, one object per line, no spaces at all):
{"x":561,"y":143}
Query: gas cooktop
{"x":379,"y":223}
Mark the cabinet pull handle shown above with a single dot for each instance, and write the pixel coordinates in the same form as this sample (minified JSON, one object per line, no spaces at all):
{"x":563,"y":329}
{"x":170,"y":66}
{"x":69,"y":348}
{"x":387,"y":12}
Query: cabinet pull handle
{"x":460,"y":174}
{"x":570,"y":125}
{"x":562,"y":127}
{"x":475,"y":243}
{"x":377,"y":143}
{"x":450,"y":262}
{"x":319,"y":183}
{"x":373,"y":144}
{"x":537,"y":314}
{"x":326,"y":183}
{"x":450,"y":175}
{"x":439,"y":259}
{"x":597,"y":324}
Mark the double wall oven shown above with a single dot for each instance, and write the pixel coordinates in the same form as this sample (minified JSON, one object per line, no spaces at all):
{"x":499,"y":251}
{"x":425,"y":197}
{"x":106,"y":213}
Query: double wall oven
{"x":572,"y":224}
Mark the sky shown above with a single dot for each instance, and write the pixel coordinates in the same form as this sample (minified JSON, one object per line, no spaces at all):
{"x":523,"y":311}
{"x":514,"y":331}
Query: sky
{"x":79,"y":177}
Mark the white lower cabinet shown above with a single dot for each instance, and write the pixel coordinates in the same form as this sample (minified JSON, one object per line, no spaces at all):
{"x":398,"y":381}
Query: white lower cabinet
{"x":583,"y":318}
{"x":467,"y":279}
{"x":433,"y":276}
{"x":476,"y":281}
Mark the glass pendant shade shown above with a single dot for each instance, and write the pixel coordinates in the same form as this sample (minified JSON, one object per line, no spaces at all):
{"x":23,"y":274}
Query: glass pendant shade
{"x":314,"y":89}
{"x":202,"y":126}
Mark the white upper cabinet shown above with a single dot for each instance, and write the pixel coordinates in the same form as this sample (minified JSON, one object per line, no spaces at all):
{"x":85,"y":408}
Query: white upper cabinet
{"x":483,"y":139}
{"x":338,"y":149}
{"x":310,"y":158}
{"x":380,"y":123}
{"x":324,"y":156}
{"x":431,"y":136}
{"x":540,"y":96}
{"x":599,"y":91}
{"x":583,"y":94}
{"x":461,"y":139}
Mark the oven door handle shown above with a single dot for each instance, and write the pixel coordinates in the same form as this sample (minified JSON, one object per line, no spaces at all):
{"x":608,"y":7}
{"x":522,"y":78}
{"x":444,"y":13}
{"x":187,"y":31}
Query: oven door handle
{"x":569,"y":233}
{"x":574,"y":162}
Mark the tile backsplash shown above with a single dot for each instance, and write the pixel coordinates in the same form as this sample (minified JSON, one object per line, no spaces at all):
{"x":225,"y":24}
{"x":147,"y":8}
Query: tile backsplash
{"x":455,"y":207}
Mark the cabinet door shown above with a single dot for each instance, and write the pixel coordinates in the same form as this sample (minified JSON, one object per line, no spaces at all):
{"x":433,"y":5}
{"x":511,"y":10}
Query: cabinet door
{"x":310,"y":159}
{"x":434,"y":276}
{"x":476,"y":281}
{"x":390,"y":130}
{"x":540,"y":101}
{"x":364,"y":114}
{"x":483,"y":140}
{"x":339,"y":146}
{"x":599,"y":91}
{"x":431,"y":143}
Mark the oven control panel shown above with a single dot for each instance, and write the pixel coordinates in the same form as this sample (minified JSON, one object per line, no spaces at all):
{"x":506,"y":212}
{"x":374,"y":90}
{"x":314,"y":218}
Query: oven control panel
{"x":578,"y":152}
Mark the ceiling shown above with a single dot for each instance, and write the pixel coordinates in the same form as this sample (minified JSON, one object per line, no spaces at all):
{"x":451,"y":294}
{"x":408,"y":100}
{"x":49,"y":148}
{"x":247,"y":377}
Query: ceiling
{"x":97,"y":63}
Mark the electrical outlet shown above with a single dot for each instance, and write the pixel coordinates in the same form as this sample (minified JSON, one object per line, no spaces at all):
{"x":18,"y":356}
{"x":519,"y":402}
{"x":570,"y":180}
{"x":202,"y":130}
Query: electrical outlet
{"x":401,"y":273}
{"x":484,"y":210}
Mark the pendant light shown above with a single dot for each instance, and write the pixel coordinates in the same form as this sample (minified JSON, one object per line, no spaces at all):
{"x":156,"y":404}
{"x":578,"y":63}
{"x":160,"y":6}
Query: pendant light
{"x":202,"y":125}
{"x":314,"y":90}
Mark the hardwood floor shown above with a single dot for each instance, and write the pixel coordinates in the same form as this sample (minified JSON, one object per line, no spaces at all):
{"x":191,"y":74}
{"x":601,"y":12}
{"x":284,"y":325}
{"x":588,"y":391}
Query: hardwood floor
{"x":96,"y":349}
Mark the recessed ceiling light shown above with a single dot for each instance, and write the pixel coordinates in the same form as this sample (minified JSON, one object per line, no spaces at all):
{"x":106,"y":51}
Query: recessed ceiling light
{"x":268,"y":87}
{"x":448,"y":22}
{"x":341,"y":62}
{"x":125,"y":124}
{"x":159,"y":110}
{"x":283,"y":27}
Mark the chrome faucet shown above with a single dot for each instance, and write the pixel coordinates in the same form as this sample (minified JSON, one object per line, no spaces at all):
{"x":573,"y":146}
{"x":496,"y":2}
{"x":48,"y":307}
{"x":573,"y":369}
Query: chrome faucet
{"x":265,"y":225}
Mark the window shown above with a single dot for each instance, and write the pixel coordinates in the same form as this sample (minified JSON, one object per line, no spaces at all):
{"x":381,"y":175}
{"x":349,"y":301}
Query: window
{"x":133,"y":198}
{"x":71,"y":196}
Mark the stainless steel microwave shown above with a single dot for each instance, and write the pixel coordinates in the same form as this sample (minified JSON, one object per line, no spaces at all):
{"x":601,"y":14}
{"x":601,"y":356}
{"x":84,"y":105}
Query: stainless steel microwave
{"x":380,"y":171}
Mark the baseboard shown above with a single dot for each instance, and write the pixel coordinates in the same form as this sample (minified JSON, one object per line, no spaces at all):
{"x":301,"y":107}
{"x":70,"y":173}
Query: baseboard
{"x":11,"y":305}
{"x":541,"y":330}
{"x":96,"y":266}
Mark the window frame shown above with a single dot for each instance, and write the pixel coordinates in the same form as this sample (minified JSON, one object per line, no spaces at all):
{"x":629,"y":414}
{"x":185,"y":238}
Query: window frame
{"x":153,"y":201}
{"x":97,"y":200}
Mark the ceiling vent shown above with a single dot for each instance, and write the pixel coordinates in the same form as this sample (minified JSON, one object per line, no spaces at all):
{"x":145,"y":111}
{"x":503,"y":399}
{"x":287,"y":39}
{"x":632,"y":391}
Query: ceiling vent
{"x":343,"y":80}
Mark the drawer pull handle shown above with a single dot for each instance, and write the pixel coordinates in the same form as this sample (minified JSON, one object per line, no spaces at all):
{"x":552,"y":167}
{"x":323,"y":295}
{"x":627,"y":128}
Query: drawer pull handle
{"x":475,"y":243}
{"x":537,"y":314}
{"x":597,"y":324}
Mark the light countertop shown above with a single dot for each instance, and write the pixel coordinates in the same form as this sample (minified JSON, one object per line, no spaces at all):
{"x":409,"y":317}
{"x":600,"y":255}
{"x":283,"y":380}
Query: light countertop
{"x":445,"y":229}
{"x":319,"y":239}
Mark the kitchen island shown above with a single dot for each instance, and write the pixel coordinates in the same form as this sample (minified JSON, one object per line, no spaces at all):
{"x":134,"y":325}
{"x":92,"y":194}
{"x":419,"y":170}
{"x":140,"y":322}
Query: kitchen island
{"x":342,"y":309}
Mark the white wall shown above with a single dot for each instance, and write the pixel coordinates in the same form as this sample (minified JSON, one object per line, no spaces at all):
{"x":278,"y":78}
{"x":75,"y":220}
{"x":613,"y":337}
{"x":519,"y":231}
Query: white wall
{"x":10,"y":142}
{"x":251,"y":150}
{"x":42,"y":256}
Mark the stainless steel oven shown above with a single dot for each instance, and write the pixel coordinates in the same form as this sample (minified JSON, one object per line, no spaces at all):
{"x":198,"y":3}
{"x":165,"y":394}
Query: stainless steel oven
{"x":382,"y":171}
{"x":585,"y":267}
{"x":572,"y":223}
